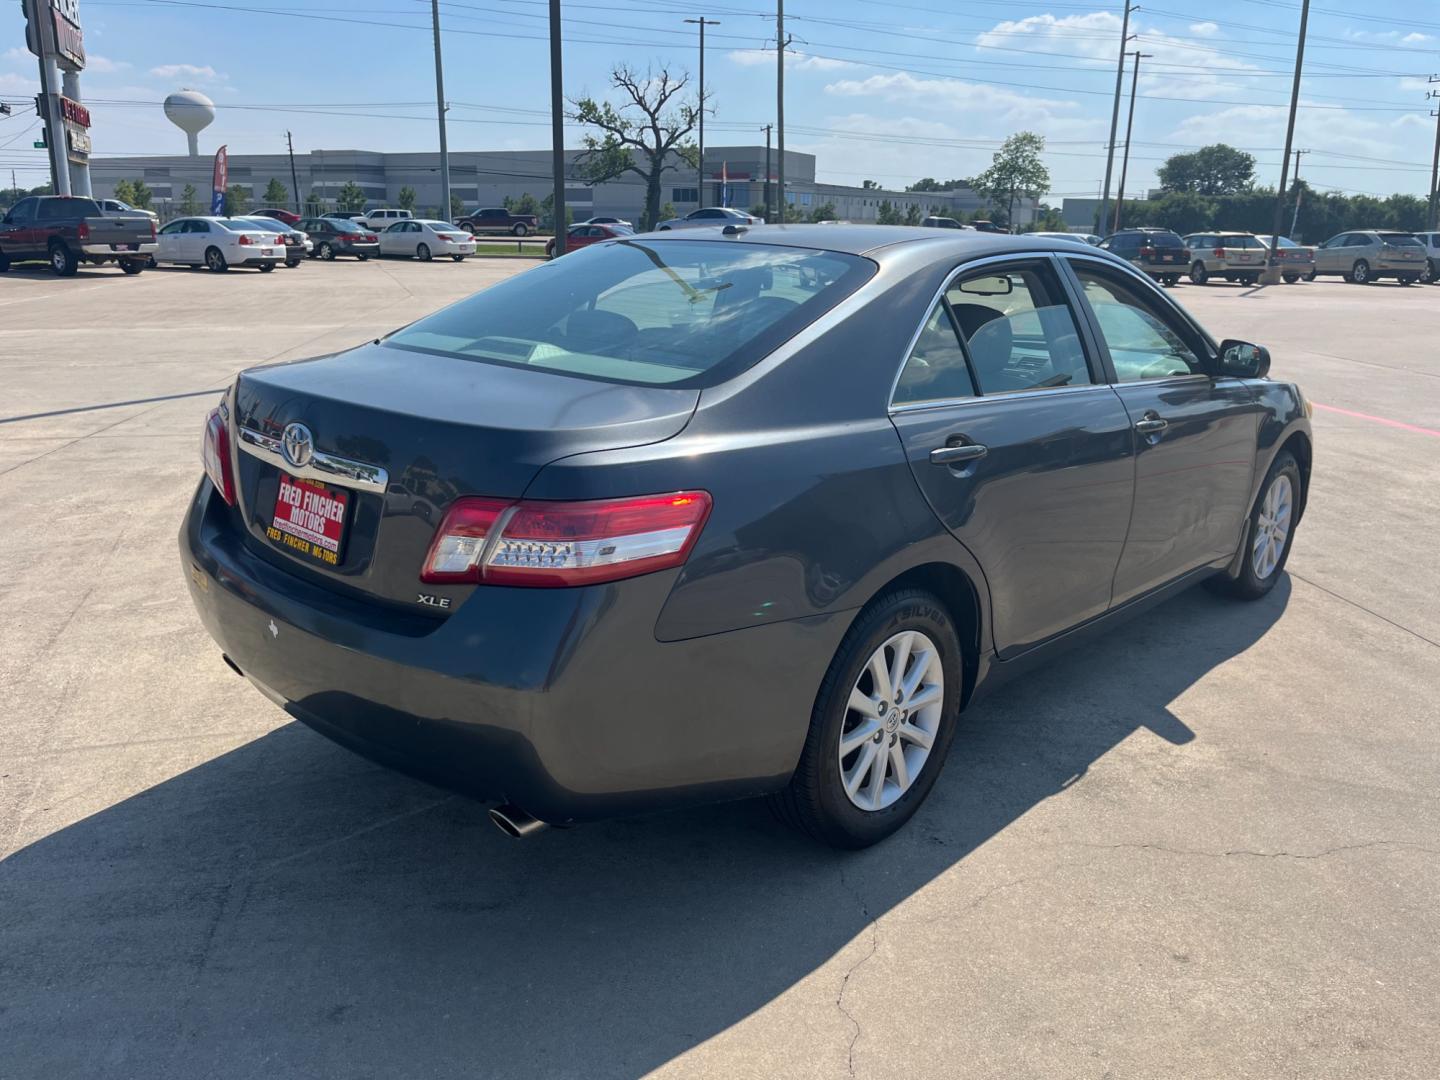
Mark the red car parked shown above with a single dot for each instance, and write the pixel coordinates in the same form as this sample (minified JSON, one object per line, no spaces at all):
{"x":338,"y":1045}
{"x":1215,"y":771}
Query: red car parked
{"x":289,"y":217}
{"x":581,"y":235}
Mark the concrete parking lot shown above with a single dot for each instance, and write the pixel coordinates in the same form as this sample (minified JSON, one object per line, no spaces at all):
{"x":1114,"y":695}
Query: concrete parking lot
{"x":1205,"y":846}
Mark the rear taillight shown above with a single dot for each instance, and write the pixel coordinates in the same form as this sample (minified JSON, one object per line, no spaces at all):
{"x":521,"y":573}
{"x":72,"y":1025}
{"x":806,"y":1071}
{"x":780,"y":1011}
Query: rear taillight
{"x":369,"y":238}
{"x":1146,"y":252}
{"x":244,"y":240}
{"x":549,"y":544}
{"x":1219,"y":252}
{"x":84,"y":231}
{"x":153,"y":234}
{"x":215,"y":454}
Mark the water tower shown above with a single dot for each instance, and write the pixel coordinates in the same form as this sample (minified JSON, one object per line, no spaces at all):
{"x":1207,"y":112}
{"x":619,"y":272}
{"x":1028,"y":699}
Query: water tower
{"x":192,"y":112}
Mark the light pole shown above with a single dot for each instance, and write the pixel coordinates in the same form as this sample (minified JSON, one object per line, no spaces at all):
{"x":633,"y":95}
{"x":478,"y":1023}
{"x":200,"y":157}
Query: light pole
{"x":1295,"y":218}
{"x":702,"y":22}
{"x":557,"y":130}
{"x":1271,"y":274}
{"x":765,"y":187}
{"x":780,"y":45}
{"x":1129,"y":127}
{"x":1115,"y":114}
{"x":1435,"y":161}
{"x":445,"y":211}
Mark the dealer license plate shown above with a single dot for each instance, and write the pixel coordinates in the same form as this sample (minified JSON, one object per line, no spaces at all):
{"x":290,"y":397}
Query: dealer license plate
{"x":310,"y":518}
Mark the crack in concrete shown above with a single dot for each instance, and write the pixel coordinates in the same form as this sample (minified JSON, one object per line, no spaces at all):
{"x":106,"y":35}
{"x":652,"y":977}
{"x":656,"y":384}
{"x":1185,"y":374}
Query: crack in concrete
{"x":874,"y":925}
{"x":1325,"y":853}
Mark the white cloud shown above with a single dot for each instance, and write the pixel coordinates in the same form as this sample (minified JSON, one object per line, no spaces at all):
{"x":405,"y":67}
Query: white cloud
{"x":18,"y":84}
{"x":15,"y":55}
{"x":187,"y":71}
{"x":794,"y":61}
{"x":103,"y":65}
{"x":1204,"y":29}
{"x":1337,"y":130}
{"x":1002,"y":108}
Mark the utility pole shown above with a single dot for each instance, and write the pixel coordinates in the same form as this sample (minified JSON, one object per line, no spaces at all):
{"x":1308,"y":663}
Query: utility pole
{"x":1435,"y":161}
{"x":295,"y":180}
{"x":780,"y":45}
{"x":765,"y":187}
{"x":1295,"y":218}
{"x":702,"y":22}
{"x":1129,"y":127}
{"x":1115,"y":114}
{"x":445,"y":212}
{"x":557,"y":130}
{"x":1271,"y":275}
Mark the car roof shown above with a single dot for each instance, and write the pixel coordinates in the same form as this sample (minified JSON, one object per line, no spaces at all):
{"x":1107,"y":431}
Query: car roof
{"x":870,"y":239}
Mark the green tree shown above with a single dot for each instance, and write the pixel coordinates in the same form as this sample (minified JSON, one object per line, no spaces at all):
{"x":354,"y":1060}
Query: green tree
{"x":143,"y":196}
{"x":824,"y":212}
{"x":759,"y":209}
{"x":1015,"y":171}
{"x":125,"y":191}
{"x":525,"y":204}
{"x":350,"y":197}
{"x":1212,"y":170}
{"x":189,"y":200}
{"x":647,"y":134}
{"x":237,"y":200}
{"x":929,"y":183}
{"x":547,"y":213}
{"x":406,"y":198}
{"x":1182,"y":211}
{"x":276,"y":193}
{"x":887,"y":214}
{"x":913,"y":214}
{"x":869,"y":185}
{"x":457,"y":206}
{"x":667,"y":211}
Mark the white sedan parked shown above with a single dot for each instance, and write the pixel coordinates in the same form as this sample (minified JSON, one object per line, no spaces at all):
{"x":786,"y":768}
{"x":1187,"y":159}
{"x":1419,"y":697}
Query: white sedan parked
{"x":219,"y":243}
{"x":424,"y":240}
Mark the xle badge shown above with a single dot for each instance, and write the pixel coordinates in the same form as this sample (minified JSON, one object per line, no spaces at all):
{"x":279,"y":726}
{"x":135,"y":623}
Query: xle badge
{"x":441,"y":602}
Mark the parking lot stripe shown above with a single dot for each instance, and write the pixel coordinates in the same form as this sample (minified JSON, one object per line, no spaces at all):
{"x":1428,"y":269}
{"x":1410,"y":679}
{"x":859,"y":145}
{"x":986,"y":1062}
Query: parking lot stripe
{"x":1379,"y":420}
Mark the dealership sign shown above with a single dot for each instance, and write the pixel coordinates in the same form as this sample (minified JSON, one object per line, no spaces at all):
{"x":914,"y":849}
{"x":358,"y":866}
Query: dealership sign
{"x":53,"y":31}
{"x":74,"y":112}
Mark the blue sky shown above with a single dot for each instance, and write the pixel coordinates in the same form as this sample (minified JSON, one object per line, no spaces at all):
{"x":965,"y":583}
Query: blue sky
{"x":877,"y":90}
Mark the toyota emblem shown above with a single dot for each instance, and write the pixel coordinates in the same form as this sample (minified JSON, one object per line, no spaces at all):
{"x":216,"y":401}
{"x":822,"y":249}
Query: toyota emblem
{"x":297,"y":444}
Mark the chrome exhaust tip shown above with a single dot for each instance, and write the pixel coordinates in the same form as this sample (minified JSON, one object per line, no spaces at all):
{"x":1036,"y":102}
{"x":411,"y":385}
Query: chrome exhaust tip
{"x":514,"y":822}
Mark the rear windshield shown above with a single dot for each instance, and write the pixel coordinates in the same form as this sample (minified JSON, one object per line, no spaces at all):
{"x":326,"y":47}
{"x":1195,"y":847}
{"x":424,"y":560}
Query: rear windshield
{"x":243,"y":224}
{"x":1401,"y":239}
{"x":650,"y":312}
{"x":1162,"y":240}
{"x":60,"y":209}
{"x":344,"y":225}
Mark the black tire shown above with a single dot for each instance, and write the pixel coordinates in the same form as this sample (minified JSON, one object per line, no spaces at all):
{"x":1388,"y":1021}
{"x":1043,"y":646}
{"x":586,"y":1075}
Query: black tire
{"x":520,"y":229}
{"x":1431,"y":274}
{"x":292,"y":263}
{"x":131,"y":266}
{"x":215,"y":260}
{"x":467,"y":227}
{"x":1198,"y":274}
{"x":1359,"y":273}
{"x":150,"y":263}
{"x":325,"y":251}
{"x":423,"y":253}
{"x":458,"y":258}
{"x":362,"y":258}
{"x":265,"y":268}
{"x":63,"y":261}
{"x":1291,"y":279}
{"x":1408,"y":280}
{"x":4,"y":263}
{"x":1312,"y":275}
{"x":1248,"y":585}
{"x":815,"y":801}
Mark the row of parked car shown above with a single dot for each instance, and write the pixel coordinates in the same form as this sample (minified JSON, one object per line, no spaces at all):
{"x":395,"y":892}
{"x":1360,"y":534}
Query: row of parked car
{"x":67,"y":231}
{"x":1361,"y":256}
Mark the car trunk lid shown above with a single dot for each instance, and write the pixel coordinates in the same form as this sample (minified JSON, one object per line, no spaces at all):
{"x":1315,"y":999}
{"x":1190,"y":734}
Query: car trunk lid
{"x":397,"y":436}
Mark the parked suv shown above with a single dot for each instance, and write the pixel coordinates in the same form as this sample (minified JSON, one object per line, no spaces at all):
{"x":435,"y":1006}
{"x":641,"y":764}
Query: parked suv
{"x":1370,"y":254}
{"x":1235,"y":256}
{"x":496,"y":219}
{"x":1431,"y":274}
{"x":1297,"y":261}
{"x":380,"y":220}
{"x":1158,"y":252}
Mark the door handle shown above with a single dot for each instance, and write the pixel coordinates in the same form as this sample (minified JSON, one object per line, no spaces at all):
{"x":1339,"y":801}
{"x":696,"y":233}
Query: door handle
{"x":1151,"y":424}
{"x":953,"y":455}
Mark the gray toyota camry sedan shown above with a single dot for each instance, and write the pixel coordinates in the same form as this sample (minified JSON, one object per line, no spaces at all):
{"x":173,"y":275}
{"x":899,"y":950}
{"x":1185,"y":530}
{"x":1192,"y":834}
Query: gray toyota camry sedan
{"x":728,"y":513}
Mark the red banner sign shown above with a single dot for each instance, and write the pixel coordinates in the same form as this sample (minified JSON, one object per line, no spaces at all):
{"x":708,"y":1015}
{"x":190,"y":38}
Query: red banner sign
{"x":221,"y":180}
{"x":75,"y":112}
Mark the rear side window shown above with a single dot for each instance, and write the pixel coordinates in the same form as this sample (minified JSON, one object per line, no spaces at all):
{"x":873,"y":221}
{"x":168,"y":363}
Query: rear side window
{"x":60,"y":209}
{"x":652,"y":312}
{"x":1401,"y":240}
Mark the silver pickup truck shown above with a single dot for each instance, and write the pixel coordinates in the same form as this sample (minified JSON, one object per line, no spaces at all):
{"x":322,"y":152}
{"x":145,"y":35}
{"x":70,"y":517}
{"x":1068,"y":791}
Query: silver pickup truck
{"x":67,"y":230}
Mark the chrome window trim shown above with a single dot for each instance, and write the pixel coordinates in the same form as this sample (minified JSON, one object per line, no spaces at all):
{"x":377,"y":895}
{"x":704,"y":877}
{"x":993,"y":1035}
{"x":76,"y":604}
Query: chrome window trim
{"x":1011,"y":257}
{"x":1003,"y":395}
{"x":326,"y":468}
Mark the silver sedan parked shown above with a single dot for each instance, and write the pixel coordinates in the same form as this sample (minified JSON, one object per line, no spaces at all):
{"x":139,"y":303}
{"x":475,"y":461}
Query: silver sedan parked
{"x":710,"y":215}
{"x":424,"y":240}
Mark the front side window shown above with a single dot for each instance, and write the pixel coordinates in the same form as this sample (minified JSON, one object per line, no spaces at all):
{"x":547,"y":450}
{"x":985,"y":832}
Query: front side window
{"x":24,"y":210}
{"x":1142,"y":340}
{"x":651,"y":312}
{"x":1018,"y":330}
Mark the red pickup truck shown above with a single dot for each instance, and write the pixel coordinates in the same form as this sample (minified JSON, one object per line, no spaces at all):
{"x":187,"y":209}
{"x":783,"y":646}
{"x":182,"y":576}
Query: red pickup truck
{"x":66,"y":230}
{"x":498,"y":220}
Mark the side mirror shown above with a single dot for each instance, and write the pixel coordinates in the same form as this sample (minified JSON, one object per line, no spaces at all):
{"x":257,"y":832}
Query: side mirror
{"x":1243,"y":359}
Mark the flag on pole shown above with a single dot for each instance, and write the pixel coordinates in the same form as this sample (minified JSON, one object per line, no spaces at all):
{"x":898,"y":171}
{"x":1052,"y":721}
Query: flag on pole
{"x":219,"y":182}
{"x":724,"y":183}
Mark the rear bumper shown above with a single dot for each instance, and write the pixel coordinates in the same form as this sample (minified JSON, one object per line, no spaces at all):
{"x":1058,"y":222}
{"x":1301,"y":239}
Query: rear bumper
{"x":558,"y":700}
{"x":276,"y":256}
{"x":1161,"y":269}
{"x":119,"y":251}
{"x":357,"y":249}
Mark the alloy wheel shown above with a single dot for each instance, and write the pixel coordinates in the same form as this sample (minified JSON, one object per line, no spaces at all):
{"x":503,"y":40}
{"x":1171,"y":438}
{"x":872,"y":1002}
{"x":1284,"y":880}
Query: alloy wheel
{"x":891,"y":721}
{"x":1272,"y":527}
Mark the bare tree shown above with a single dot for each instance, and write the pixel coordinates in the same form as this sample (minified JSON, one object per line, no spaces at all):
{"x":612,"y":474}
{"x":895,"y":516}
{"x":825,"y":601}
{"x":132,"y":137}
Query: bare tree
{"x":646,"y":134}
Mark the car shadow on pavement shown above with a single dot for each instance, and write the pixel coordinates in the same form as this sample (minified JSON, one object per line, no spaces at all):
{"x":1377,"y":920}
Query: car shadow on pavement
{"x":287,"y":909}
